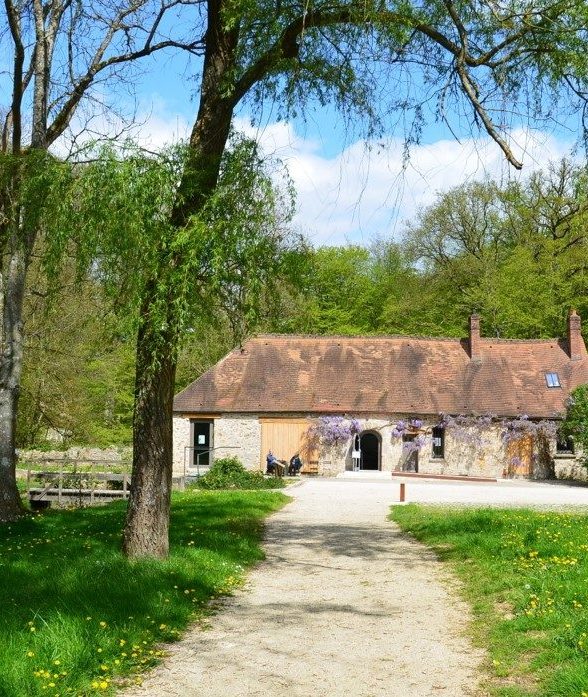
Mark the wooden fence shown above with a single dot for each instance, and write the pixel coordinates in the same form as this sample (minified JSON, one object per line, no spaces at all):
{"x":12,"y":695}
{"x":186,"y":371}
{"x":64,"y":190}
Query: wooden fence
{"x":76,"y":483}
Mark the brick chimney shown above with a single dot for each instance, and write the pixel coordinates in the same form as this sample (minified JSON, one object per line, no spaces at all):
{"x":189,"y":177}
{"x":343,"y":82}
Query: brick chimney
{"x":575,"y":341}
{"x":475,"y":340}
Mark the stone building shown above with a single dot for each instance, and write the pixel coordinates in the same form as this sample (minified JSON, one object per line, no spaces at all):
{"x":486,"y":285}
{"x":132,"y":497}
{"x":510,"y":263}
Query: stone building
{"x":426,"y":405}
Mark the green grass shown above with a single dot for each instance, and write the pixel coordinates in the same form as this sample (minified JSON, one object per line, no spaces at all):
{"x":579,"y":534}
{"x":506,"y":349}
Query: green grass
{"x":525,"y":574}
{"x":79,"y":619}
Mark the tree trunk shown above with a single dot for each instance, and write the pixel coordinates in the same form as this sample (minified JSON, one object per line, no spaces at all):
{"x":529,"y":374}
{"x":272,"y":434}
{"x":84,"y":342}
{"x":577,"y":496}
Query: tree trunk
{"x":11,"y":506}
{"x":146,"y":530}
{"x":10,"y":374}
{"x":147,"y":523}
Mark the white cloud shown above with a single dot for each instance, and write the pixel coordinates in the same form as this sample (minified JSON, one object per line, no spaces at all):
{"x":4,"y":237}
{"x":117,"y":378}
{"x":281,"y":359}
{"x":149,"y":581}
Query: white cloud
{"x":368,"y":190}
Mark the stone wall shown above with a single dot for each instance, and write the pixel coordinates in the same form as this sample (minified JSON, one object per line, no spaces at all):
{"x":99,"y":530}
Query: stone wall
{"x":462,"y":456}
{"x":569,"y":467}
{"x":465,"y":457}
{"x":181,"y":436}
{"x":77,"y":453}
{"x":236,"y":435}
{"x":243,"y":431}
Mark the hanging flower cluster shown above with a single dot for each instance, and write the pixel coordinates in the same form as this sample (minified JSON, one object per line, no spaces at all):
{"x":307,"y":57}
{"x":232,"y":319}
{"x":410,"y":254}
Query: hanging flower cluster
{"x":415,"y":445}
{"x":468,"y":430}
{"x":333,"y":430}
{"x":522,"y":426}
{"x":403,"y":428}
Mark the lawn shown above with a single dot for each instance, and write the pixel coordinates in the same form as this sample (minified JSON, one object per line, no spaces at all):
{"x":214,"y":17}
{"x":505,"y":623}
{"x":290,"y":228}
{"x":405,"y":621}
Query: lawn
{"x":525,"y":574}
{"x":79,"y":619}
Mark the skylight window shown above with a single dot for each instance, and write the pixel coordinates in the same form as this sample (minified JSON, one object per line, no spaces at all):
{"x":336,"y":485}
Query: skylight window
{"x":552,"y":380}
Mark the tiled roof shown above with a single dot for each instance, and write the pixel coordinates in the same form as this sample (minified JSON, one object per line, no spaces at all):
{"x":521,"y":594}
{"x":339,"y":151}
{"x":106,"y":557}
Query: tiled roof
{"x":387,"y":375}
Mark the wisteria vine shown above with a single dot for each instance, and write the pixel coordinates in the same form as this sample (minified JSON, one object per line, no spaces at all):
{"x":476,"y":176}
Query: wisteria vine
{"x":469,"y":429}
{"x":333,"y":430}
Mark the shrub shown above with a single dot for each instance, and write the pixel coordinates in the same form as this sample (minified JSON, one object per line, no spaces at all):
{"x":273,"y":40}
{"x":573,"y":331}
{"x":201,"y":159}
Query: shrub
{"x":575,"y":423}
{"x":229,"y":473}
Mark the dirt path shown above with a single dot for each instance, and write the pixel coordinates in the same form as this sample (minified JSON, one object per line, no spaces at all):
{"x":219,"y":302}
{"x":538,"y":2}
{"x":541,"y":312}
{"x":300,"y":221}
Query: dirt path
{"x":343,"y":605}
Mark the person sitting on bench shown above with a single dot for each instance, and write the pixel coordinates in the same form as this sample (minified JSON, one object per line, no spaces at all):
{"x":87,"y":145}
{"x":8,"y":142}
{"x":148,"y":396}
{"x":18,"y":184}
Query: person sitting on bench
{"x":273,"y":465}
{"x":295,"y":465}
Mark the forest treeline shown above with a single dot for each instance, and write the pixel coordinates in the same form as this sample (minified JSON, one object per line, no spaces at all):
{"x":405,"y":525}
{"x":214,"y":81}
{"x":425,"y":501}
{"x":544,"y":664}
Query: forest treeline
{"x":517,"y":254}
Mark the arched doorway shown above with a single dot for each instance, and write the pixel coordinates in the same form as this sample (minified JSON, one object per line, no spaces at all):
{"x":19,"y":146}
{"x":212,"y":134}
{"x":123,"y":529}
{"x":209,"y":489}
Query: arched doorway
{"x":370,"y":450}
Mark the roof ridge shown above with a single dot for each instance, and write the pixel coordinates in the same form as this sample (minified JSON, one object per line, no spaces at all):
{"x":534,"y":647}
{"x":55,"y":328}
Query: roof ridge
{"x":404,"y":336}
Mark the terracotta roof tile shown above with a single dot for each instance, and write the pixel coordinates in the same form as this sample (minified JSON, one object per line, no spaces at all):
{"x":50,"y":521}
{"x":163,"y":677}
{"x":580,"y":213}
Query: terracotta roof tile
{"x":387,"y":375}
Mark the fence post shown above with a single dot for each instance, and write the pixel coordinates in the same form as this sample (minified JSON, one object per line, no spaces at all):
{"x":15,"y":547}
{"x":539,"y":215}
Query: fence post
{"x":60,"y":483}
{"x":402,"y":491}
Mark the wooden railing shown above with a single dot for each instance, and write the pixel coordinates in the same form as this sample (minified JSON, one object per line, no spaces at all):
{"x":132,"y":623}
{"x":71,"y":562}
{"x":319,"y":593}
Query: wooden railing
{"x":78,"y":483}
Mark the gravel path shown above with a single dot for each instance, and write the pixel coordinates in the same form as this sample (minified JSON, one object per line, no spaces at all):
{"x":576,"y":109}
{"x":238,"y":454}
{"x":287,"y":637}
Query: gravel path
{"x":345,"y":604}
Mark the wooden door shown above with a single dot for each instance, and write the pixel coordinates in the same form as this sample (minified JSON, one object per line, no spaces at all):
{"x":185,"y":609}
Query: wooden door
{"x":519,"y":457}
{"x":286,"y":437}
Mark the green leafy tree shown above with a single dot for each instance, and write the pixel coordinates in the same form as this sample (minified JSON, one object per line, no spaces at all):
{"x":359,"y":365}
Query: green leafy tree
{"x":77,"y":368}
{"x":575,"y":423}
{"x":474,"y":56}
{"x":232,"y":251}
{"x":515,"y":254}
{"x":346,"y":289}
{"x":53,"y":54}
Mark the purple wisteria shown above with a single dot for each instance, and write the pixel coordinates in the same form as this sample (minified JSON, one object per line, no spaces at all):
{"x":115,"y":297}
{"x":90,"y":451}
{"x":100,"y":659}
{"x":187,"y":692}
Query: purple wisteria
{"x":411,"y":427}
{"x":333,"y":430}
{"x":470,"y":430}
{"x":522,"y":426}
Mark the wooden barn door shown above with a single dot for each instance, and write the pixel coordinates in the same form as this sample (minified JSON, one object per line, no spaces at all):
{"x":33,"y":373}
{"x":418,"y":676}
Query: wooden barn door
{"x":285,"y":437}
{"x":519,"y":457}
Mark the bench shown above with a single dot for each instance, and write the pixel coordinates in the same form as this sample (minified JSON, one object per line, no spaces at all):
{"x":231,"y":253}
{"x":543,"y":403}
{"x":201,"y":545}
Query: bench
{"x":310,"y":468}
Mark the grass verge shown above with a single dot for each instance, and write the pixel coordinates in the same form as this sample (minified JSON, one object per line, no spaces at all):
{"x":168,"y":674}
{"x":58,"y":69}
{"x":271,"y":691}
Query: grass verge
{"x":525,"y":575}
{"x":80,"y":619}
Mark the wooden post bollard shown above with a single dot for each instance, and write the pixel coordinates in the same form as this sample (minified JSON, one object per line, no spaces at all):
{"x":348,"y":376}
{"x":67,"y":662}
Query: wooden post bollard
{"x":402,"y":491}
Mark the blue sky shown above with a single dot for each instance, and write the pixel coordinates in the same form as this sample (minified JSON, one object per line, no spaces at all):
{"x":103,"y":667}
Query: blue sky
{"x":348,"y":190}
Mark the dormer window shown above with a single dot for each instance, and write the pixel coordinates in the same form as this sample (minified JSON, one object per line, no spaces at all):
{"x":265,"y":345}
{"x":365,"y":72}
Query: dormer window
{"x":552,"y":380}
